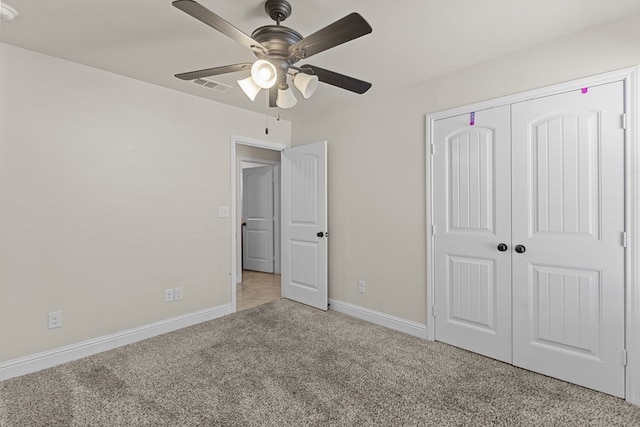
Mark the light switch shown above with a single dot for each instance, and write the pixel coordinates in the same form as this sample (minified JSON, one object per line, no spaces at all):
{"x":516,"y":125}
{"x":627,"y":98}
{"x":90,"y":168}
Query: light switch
{"x":223,"y":212}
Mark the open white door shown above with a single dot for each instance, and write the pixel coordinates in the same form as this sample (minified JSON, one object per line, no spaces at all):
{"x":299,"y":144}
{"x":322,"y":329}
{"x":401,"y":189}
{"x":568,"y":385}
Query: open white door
{"x":257,"y":204}
{"x":304,"y":224}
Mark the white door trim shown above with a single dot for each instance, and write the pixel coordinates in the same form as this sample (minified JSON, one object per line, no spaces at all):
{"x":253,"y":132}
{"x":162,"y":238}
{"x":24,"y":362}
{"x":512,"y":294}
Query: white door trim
{"x":632,"y":203}
{"x":235,"y":140}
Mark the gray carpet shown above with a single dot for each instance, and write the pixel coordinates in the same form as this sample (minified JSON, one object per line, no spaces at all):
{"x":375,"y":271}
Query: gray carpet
{"x":286,"y":364}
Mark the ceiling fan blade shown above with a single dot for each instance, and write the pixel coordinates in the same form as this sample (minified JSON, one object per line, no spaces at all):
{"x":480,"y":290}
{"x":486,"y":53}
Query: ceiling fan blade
{"x":192,"y":75}
{"x":206,"y":16}
{"x":337,"y":79}
{"x":343,"y":30}
{"x":273,"y":96}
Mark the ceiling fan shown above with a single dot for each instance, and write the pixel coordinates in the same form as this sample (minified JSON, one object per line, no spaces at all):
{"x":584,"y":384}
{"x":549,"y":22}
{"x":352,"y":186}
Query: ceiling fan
{"x":278,"y":48}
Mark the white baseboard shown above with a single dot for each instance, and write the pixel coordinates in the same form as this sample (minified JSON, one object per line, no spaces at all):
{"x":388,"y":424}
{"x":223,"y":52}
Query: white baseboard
{"x":378,"y":318}
{"x":47,"y":359}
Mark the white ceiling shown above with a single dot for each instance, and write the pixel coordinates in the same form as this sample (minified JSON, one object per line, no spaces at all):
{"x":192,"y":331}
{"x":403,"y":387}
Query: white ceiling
{"x":412,"y":40}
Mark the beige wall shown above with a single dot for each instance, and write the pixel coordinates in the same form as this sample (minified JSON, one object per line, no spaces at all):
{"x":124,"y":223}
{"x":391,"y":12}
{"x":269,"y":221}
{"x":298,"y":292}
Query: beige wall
{"x":109,"y":189}
{"x":257,"y":153}
{"x":377,"y":160}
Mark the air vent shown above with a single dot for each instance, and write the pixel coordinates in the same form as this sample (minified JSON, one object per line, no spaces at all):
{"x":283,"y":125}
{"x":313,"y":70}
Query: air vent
{"x":210,"y":84}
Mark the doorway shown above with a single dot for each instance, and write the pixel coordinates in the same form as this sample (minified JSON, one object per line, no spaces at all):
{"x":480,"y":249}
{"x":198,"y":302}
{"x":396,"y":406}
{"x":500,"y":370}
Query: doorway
{"x":259,"y":207}
{"x":304,"y":248}
{"x":258,"y":281}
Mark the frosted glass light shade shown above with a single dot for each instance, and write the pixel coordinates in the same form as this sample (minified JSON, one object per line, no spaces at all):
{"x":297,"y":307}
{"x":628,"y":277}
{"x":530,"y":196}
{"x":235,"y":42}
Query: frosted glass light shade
{"x":306,"y":84}
{"x":249,"y":87}
{"x":7,"y":12}
{"x":286,"y":98}
{"x":264,"y":73}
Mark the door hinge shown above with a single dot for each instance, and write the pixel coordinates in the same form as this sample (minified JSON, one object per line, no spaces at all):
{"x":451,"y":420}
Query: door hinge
{"x":433,"y":149}
{"x":433,"y":311}
{"x":625,"y":239}
{"x":624,"y":357}
{"x":433,"y":230}
{"x":624,"y":121}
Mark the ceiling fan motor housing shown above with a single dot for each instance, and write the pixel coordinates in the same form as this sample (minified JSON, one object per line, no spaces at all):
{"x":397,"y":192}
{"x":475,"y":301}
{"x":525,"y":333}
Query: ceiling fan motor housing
{"x":277,"y":40}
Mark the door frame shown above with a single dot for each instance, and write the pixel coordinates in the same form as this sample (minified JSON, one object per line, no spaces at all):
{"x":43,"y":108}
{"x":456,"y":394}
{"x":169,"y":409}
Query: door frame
{"x":240,"y":140}
{"x":632,"y":205}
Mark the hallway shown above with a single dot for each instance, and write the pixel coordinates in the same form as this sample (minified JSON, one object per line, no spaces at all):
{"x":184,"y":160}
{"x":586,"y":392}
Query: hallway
{"x":256,"y":289}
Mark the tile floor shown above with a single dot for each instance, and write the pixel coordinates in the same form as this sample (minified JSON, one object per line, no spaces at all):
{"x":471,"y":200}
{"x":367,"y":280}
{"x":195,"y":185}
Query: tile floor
{"x":257,"y":289}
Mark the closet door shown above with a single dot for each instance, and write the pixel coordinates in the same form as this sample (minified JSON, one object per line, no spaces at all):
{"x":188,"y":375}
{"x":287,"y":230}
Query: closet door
{"x":568,"y":223}
{"x":471,"y":180}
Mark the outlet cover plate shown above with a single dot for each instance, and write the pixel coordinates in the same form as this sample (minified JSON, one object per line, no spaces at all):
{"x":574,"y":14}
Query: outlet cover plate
{"x":55,"y":319}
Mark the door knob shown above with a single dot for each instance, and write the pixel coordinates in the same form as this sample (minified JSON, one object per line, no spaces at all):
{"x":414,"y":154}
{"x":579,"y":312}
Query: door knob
{"x":320,"y":234}
{"x":502,"y":247}
{"x":521,"y":249}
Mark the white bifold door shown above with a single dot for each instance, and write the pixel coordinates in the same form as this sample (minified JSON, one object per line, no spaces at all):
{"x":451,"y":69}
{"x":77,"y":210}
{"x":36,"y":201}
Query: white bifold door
{"x":529,"y":226}
{"x":472,"y":196}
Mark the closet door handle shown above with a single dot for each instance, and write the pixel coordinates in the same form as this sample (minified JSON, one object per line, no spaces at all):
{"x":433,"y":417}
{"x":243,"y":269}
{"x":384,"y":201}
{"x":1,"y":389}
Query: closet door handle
{"x":320,"y":234}
{"x":502,"y":247}
{"x":521,"y":249}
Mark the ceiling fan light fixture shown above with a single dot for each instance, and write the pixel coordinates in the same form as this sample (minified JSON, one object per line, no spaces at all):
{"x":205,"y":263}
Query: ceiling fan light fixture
{"x":264,"y":73}
{"x":278,"y":48}
{"x":286,"y":98}
{"x":249,"y":87}
{"x":7,"y":12}
{"x":306,"y":84}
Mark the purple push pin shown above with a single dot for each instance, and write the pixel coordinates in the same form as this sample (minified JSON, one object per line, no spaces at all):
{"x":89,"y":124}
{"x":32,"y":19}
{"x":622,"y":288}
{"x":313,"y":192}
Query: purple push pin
{"x":585,"y":89}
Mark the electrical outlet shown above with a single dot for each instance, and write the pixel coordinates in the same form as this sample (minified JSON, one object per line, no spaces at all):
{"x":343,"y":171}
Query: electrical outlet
{"x":362,"y":287}
{"x":177,"y":294}
{"x":55,"y":319}
{"x":168,"y":295}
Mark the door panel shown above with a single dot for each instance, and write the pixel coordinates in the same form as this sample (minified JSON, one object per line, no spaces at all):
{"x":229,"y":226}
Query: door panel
{"x":568,"y":212}
{"x":566,"y":309}
{"x":564,"y":168}
{"x":257,"y":204}
{"x":304,"y":214}
{"x":472,"y":292}
{"x":472,"y":193}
